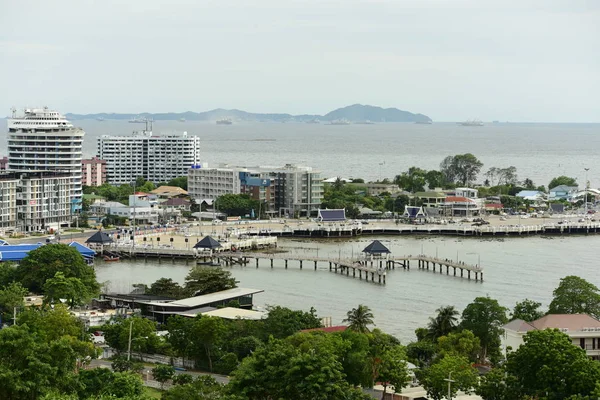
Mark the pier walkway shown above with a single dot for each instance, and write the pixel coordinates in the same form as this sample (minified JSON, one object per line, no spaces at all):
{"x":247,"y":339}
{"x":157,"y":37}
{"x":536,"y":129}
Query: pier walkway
{"x":372,"y":268}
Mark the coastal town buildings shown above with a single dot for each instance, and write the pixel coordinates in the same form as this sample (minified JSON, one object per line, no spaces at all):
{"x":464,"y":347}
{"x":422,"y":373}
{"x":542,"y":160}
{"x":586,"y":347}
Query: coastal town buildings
{"x":34,"y":201}
{"x":286,"y":191}
{"x":156,"y":158}
{"x":583,"y":329}
{"x":139,"y":210}
{"x":562,"y":192}
{"x":44,"y":140}
{"x":94,"y":171}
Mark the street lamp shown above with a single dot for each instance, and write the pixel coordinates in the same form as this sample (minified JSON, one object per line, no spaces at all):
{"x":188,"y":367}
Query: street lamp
{"x":450,"y":380}
{"x":585,"y":190}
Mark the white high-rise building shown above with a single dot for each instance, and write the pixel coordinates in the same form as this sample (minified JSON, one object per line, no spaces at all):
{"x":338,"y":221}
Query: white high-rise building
{"x":44,"y":140}
{"x":156,"y":158}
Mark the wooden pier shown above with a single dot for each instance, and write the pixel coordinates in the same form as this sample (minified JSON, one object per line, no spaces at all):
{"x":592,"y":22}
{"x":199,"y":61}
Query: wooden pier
{"x":374,"y":269}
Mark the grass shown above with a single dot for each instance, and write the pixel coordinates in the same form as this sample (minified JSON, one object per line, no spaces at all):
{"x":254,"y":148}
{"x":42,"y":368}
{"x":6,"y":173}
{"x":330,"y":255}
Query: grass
{"x":152,"y":392}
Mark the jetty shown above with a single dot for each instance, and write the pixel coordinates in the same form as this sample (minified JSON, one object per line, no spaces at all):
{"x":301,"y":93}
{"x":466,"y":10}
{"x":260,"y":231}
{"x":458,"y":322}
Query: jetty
{"x":376,"y":262}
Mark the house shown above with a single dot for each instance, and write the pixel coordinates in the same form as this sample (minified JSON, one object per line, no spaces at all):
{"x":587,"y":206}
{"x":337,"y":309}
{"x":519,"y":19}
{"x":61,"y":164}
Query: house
{"x":376,"y":189}
{"x":177,"y":203}
{"x":532,"y":195}
{"x":431,"y":198}
{"x":562,"y":192}
{"x":583,"y":330}
{"x":167,"y":192}
{"x":92,"y":198}
{"x":459,"y":206}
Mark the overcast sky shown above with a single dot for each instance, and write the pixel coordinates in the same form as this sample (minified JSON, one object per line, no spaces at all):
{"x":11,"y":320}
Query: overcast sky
{"x":514,"y":60}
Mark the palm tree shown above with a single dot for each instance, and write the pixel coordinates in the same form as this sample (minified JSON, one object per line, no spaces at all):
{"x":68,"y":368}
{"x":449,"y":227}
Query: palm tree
{"x":443,"y":323}
{"x":359,"y":318}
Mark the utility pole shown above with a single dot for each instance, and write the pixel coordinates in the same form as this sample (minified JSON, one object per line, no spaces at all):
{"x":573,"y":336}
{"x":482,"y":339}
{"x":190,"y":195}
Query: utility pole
{"x":129,"y":344}
{"x":450,"y":380}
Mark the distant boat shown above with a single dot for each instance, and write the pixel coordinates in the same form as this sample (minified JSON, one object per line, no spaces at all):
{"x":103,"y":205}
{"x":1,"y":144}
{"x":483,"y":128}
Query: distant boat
{"x":100,"y":119}
{"x":495,"y":122}
{"x":429,"y":122}
{"x":181,"y":119}
{"x":138,"y":120}
{"x":111,"y":258}
{"x":313,"y":121}
{"x":224,"y":121}
{"x":366,"y":122}
{"x":341,"y":121}
{"x":472,"y":122}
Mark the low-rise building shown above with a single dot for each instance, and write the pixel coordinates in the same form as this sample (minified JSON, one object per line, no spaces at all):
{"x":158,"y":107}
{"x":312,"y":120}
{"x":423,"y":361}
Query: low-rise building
{"x":377,"y":189}
{"x":583,"y":330}
{"x":140,"y":212}
{"x":458,"y":206}
{"x":288,"y":191}
{"x":94,"y":171}
{"x":167,"y":192}
{"x":431,"y":198}
{"x":562,"y":192}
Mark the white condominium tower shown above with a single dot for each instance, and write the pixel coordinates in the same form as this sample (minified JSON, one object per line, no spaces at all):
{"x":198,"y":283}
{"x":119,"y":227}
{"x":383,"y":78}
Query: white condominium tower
{"x":156,"y":158}
{"x":44,"y":140}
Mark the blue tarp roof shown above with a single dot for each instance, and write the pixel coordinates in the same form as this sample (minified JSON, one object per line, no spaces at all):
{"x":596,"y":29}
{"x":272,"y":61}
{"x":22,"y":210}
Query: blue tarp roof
{"x":19,"y":251}
{"x":332,"y":215}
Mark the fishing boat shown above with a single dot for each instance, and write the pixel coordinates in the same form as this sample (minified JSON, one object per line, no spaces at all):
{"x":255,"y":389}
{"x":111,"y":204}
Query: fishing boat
{"x":111,"y":258}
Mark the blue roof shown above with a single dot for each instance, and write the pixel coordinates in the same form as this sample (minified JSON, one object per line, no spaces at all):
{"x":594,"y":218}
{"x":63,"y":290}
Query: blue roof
{"x":332,"y":215}
{"x":18,"y":252}
{"x":83,"y":250}
{"x":413,"y":212}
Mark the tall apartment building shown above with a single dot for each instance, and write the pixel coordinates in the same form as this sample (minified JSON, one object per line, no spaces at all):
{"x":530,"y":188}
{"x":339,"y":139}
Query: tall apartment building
{"x":44,"y":140}
{"x":156,"y":158}
{"x":289,"y":190}
{"x":94,"y":171}
{"x":35,"y":201}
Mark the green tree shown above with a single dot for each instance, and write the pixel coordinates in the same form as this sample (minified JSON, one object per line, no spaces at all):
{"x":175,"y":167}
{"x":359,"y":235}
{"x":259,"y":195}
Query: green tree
{"x":498,"y":385}
{"x":202,"y":388}
{"x":236,"y":204}
{"x":575,"y":295}
{"x":421,"y":353}
{"x":282,"y":322}
{"x":529,"y":185}
{"x":548,"y":363}
{"x":44,"y":262}
{"x":182,"y":379}
{"x":10,"y":297}
{"x":359,"y":319}
{"x":562,"y":180}
{"x":122,"y":364}
{"x":207,"y":332}
{"x":283,"y":370}
{"x":463,"y":343}
{"x":125,"y":385}
{"x":444,"y":322}
{"x":485,"y":317}
{"x":8,"y":272}
{"x":202,"y":280}
{"x":52,"y":323}
{"x":60,"y":287}
{"x":143,"y":335}
{"x":162,"y":374}
{"x":166,"y":287}
{"x":435,"y":179}
{"x":413,"y":180}
{"x":457,"y":368}
{"x":527,"y":310}
{"x":462,"y":168}
{"x":181,"y":182}
{"x":388,"y":363}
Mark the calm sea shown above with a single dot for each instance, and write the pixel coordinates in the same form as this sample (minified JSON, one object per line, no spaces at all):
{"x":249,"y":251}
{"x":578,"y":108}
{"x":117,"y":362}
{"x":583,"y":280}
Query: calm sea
{"x":539,"y":151}
{"x":515,"y":268}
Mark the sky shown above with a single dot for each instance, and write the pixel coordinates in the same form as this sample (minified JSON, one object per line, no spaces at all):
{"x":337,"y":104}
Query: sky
{"x":508,"y":60}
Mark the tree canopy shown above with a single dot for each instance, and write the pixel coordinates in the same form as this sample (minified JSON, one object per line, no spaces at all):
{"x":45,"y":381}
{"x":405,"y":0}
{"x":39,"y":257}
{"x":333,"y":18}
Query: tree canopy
{"x":562,"y":180}
{"x":359,"y":319}
{"x":44,"y":262}
{"x":461,"y":168}
{"x":575,"y":295}
{"x":237,"y":204}
{"x":548,"y":363}
{"x":527,"y":310}
{"x":485,"y":317}
{"x":457,"y":368}
{"x":443,"y":323}
{"x":203,"y":280}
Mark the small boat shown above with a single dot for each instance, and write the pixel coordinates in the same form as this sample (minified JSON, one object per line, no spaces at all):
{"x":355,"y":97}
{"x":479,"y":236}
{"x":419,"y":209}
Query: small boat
{"x":209,"y":263}
{"x":111,"y":258}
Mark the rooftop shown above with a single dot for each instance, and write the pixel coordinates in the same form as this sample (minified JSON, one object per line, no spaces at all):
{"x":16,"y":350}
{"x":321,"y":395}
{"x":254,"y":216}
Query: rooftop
{"x":572,"y":322}
{"x":169,"y":191}
{"x":198,"y":301}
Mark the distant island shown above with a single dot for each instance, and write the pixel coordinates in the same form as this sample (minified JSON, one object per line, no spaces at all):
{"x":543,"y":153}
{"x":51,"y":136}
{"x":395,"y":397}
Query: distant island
{"x":356,"y":113}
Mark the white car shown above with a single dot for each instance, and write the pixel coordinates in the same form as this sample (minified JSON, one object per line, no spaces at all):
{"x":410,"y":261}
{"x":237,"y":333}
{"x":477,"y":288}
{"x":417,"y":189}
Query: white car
{"x":52,"y":237}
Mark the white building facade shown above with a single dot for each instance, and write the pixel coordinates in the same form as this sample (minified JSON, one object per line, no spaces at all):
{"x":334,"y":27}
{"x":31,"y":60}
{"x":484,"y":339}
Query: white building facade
{"x":156,"y":158}
{"x":44,"y":140}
